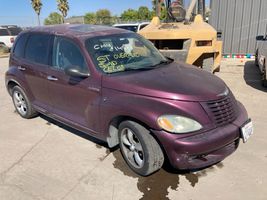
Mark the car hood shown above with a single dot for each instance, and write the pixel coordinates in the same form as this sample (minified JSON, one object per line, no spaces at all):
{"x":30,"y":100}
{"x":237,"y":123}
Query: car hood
{"x":175,"y":81}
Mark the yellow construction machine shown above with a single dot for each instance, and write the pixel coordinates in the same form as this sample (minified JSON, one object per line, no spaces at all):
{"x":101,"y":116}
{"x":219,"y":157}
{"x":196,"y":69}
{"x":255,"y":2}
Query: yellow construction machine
{"x":184,"y":35}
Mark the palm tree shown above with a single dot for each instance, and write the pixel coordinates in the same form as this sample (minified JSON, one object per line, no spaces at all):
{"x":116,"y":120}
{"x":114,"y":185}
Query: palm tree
{"x":63,"y":7}
{"x":37,"y":6}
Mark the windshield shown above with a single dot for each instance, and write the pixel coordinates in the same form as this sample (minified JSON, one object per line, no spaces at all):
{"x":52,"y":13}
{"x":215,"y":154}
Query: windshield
{"x":180,"y":10}
{"x":123,"y":52}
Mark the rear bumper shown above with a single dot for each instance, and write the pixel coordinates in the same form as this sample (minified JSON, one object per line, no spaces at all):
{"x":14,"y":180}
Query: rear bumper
{"x":203,"y":149}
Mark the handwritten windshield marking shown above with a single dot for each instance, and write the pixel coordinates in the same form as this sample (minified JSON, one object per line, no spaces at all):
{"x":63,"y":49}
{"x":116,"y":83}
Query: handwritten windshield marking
{"x":109,"y":66}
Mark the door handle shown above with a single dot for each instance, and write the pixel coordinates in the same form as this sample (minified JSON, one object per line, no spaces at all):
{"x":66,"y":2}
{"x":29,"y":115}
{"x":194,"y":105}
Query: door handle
{"x":51,"y":78}
{"x":21,"y":68}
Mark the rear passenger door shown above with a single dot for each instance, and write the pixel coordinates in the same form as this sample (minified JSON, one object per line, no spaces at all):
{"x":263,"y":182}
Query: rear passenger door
{"x":31,"y":58}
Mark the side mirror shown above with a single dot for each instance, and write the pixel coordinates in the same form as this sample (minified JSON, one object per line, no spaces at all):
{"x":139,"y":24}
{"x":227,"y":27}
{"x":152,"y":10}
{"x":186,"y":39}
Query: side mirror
{"x":75,"y":71}
{"x":260,"y":38}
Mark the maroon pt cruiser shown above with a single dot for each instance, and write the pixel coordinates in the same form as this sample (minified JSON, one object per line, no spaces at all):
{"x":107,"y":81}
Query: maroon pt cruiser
{"x":115,"y":85}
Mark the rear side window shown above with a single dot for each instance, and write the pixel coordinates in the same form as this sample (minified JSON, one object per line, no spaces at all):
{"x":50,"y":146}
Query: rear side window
{"x":37,"y":48}
{"x":4,"y":32}
{"x":20,"y":46}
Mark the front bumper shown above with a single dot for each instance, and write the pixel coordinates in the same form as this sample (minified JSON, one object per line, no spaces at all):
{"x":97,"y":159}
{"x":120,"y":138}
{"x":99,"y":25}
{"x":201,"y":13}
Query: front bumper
{"x":202,"y":149}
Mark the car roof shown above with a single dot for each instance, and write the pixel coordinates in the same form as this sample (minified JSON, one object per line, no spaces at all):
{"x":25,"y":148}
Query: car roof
{"x":77,"y":30}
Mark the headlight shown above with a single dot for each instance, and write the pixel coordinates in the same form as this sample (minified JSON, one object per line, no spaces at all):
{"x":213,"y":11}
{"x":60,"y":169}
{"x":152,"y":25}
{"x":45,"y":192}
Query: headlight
{"x":178,"y":124}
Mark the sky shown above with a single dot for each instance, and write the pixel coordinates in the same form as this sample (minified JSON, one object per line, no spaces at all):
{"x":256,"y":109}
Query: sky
{"x":20,"y":12}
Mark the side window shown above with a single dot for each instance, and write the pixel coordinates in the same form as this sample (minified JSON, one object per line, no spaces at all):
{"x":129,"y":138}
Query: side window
{"x":37,"y":48}
{"x":67,"y":53}
{"x":143,"y":26}
{"x":20,"y":46}
{"x":4,"y":32}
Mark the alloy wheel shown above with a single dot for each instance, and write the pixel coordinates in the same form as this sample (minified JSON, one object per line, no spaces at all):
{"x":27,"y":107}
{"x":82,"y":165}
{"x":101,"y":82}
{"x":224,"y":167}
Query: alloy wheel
{"x":20,"y":103}
{"x":132,"y":148}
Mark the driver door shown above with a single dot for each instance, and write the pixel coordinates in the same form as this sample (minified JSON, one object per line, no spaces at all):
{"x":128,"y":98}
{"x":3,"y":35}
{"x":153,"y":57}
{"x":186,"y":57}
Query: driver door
{"x":72,"y":99}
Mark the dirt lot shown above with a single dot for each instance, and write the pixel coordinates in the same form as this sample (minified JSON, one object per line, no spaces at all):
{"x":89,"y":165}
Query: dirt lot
{"x":41,"y":159}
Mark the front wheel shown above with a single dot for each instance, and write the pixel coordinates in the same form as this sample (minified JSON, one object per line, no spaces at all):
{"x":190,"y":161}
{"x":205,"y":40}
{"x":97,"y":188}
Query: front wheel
{"x":22,"y":104}
{"x":139,"y":148}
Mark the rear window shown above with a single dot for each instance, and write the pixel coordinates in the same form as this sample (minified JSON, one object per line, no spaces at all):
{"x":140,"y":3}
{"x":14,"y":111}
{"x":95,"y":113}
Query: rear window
{"x":20,"y":46}
{"x":143,"y":26}
{"x":14,"y":30}
{"x":4,"y":32}
{"x":129,"y":28}
{"x":37,"y":48}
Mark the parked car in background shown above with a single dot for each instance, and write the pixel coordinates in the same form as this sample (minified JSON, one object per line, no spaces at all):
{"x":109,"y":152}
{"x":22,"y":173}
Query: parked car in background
{"x":134,"y":27}
{"x":13,"y":29}
{"x":8,"y":34}
{"x":116,"y":86}
{"x":6,"y":38}
{"x":261,"y":57}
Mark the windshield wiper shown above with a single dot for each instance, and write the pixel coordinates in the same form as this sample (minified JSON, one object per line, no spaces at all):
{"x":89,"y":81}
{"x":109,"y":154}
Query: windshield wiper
{"x":162,"y":62}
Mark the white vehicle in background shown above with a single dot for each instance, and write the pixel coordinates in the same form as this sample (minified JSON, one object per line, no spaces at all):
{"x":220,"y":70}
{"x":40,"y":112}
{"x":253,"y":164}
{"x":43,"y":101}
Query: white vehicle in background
{"x":8,"y":34}
{"x":6,"y":38}
{"x":261,"y":57}
{"x":135,"y":27}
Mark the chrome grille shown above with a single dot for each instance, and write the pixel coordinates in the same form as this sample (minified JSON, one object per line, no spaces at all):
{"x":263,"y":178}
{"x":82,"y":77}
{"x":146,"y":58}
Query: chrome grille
{"x":223,"y":111}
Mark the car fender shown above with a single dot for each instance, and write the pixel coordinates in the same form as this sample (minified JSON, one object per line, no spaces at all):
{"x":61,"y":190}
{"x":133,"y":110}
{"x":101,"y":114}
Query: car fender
{"x":118,"y":106}
{"x":16,"y":76}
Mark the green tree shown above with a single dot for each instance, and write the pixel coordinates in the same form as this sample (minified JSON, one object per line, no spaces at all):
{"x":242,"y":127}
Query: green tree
{"x":129,"y":15}
{"x":103,"y":16}
{"x":63,"y":7}
{"x":161,"y":9}
{"x":90,"y":18}
{"x":53,"y":18}
{"x":144,"y":13}
{"x":37,"y":6}
{"x":115,"y":19}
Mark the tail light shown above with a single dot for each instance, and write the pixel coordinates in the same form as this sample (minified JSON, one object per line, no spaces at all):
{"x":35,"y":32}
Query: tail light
{"x":12,"y":40}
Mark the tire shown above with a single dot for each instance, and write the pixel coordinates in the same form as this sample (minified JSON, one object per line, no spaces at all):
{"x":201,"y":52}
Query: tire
{"x":208,"y":64}
{"x":140,"y":150}
{"x":264,"y":81}
{"x":256,"y":59}
{"x":22,"y":104}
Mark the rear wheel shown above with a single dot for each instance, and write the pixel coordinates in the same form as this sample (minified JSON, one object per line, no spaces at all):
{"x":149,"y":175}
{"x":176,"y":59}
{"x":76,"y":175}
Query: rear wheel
{"x":139,"y":148}
{"x":256,"y":59}
{"x":22,"y":104}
